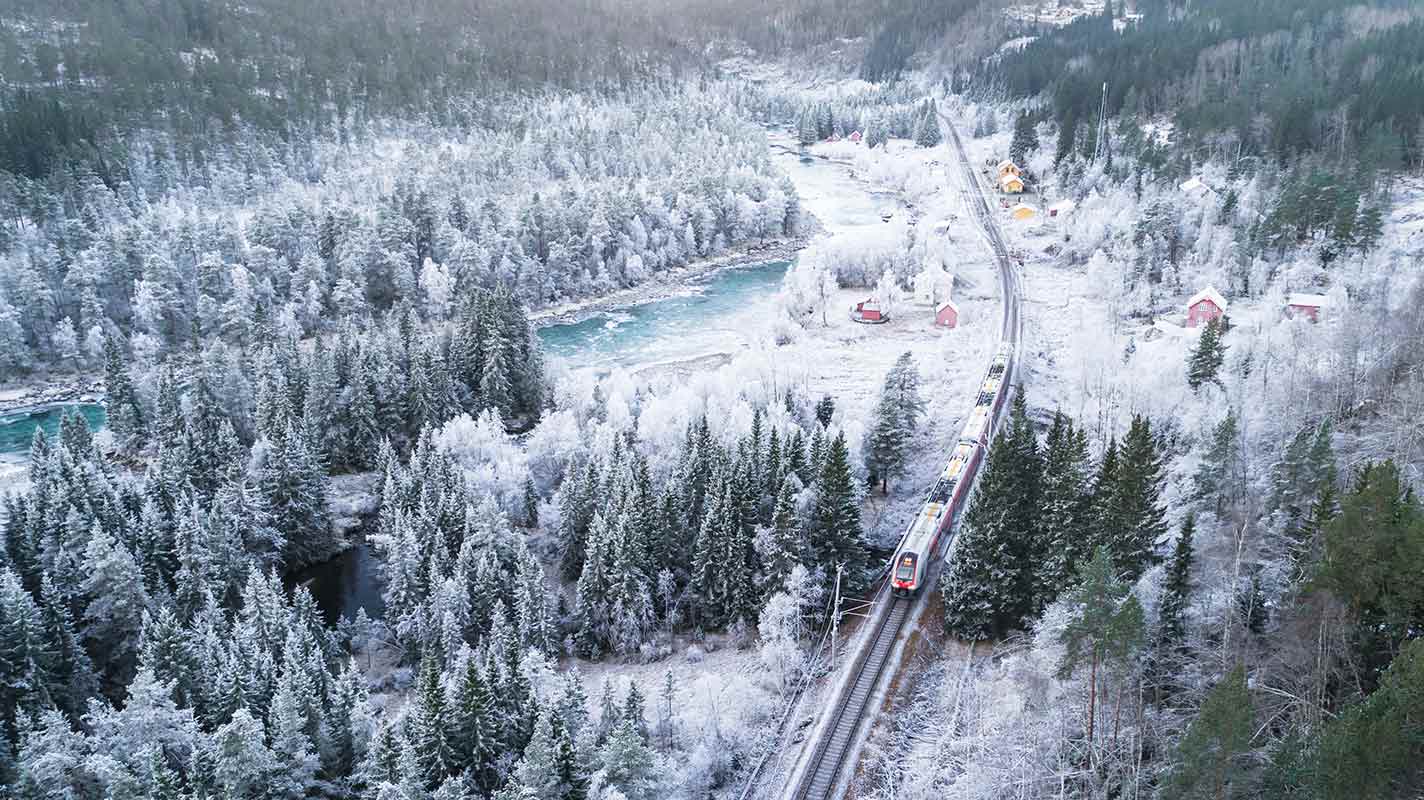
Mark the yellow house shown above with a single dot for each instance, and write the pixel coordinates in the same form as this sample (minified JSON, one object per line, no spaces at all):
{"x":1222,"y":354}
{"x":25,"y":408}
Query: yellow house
{"x":1023,"y":211}
{"x":1010,"y":183}
{"x":1007,"y":167}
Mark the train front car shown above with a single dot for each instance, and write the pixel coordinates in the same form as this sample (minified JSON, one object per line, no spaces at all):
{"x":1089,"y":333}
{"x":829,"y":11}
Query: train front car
{"x":921,"y":544}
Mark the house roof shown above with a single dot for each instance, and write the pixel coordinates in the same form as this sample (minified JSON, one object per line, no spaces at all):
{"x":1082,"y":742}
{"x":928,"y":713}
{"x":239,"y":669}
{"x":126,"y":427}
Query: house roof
{"x":1023,"y":207}
{"x":1192,"y":184}
{"x":1209,"y":293}
{"x":1063,"y":205}
{"x":1007,"y":163}
{"x":1302,"y":299}
{"x":1008,"y":178}
{"x":949,"y":304}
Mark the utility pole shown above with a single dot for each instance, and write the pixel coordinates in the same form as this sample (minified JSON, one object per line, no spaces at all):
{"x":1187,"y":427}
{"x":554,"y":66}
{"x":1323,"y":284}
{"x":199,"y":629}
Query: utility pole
{"x":1098,"y":146}
{"x":836,"y":614}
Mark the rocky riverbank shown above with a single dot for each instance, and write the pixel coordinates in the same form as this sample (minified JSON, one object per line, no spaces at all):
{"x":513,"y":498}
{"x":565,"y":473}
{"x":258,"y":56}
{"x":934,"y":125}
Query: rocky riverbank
{"x":22,"y":398}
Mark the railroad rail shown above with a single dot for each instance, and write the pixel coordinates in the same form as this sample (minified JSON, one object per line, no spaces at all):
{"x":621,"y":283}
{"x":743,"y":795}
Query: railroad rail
{"x":834,"y":746}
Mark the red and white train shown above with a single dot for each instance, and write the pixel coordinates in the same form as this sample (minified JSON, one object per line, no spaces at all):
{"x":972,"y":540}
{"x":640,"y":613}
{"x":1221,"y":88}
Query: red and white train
{"x":921,"y":543}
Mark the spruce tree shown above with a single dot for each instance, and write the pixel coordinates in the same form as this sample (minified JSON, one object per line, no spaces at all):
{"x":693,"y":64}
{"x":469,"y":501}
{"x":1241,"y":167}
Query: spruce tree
{"x":1025,"y":139}
{"x":1217,"y":479}
{"x":1176,"y":590}
{"x":1105,"y":626}
{"x":835,"y":537}
{"x":1064,"y":519}
{"x":1210,"y":760}
{"x":1131,"y":517}
{"x":428,"y":726}
{"x":1206,"y":358}
{"x":983,"y":590}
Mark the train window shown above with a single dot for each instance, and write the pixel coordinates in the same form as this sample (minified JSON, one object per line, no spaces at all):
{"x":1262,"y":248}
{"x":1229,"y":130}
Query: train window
{"x":906,"y":569}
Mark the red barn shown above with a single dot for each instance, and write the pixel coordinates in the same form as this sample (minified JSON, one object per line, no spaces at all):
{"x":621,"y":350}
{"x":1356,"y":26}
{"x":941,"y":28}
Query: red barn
{"x":1206,"y":305}
{"x":868,"y":311}
{"x":1305,"y":306}
{"x":947,"y":315}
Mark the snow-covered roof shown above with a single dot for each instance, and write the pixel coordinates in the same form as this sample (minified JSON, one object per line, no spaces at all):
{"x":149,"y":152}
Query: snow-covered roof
{"x":1209,"y":293}
{"x":1193,"y":185}
{"x":1023,"y":207}
{"x":1008,"y":178}
{"x":1007,"y":163}
{"x":1302,"y":299}
{"x":1063,"y":205}
{"x":949,"y":304}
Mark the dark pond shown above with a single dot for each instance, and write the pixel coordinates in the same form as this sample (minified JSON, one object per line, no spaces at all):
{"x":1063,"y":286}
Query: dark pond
{"x":345,"y":584}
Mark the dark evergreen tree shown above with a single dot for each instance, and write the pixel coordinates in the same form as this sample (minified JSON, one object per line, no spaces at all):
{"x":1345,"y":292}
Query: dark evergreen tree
{"x":1205,"y":360}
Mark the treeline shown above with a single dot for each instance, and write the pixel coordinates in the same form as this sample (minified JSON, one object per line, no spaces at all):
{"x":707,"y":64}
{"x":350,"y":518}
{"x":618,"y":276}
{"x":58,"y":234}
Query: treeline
{"x":353,"y":394}
{"x":83,"y":79}
{"x":1040,"y":513}
{"x":568,"y":198}
{"x":1266,"y":78}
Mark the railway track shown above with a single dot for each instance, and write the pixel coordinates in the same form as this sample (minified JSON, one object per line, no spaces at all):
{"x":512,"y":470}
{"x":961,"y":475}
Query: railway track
{"x":835,"y":745}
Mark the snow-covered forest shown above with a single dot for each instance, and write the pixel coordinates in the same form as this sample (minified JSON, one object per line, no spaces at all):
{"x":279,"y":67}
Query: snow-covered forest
{"x":1192,"y":565}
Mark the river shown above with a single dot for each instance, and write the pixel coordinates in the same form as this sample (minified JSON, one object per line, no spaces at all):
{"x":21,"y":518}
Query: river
{"x":716,"y":315}
{"x":725,"y":311}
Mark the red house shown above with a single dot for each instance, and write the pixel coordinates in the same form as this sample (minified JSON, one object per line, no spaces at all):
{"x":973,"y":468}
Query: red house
{"x":868,"y":311}
{"x":947,"y":315}
{"x":1305,"y":306}
{"x":1206,"y":305}
{"x":854,"y":136}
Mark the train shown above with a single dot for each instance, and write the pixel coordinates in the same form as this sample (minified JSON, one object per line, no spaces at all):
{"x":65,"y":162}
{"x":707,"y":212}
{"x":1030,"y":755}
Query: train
{"x":950,"y":494}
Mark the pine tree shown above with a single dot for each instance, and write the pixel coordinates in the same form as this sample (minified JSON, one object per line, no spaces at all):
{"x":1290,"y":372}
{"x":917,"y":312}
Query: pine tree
{"x":428,"y":726}
{"x":1065,"y":517}
{"x":982,"y":590}
{"x":996,"y":582}
{"x":117,"y":602}
{"x":1025,"y":139}
{"x":927,"y":132}
{"x":895,"y":418}
{"x":633,"y":710}
{"x":1176,"y":591}
{"x":1130,"y":516}
{"x":1210,"y":757}
{"x":470,"y":734}
{"x":1206,"y":358}
{"x":124,"y":414}
{"x":1106,"y":625}
{"x":627,"y":763}
{"x":835,"y":537}
{"x":1217,"y":479}
{"x":537,"y":773}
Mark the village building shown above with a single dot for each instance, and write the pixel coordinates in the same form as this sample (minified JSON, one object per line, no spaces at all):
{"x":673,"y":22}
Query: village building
{"x":1008,"y":167}
{"x":1194,"y":187}
{"x":1023,"y":211}
{"x":1204,"y":306}
{"x":1011,"y":184}
{"x":855,"y":136}
{"x":947,"y":315}
{"x":1304,"y":306}
{"x":1062,"y":207}
{"x":868,"y":311}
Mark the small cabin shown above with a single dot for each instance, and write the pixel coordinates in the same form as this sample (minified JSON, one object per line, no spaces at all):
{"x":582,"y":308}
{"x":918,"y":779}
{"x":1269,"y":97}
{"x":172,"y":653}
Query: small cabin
{"x":834,"y":137}
{"x":1305,"y":306}
{"x":1011,"y":184}
{"x":947,"y":315}
{"x":1008,"y":167}
{"x":1194,"y":186}
{"x":1023,"y":211}
{"x":1204,"y":306}
{"x":1061,"y":208}
{"x":855,"y":136}
{"x":868,"y":311}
